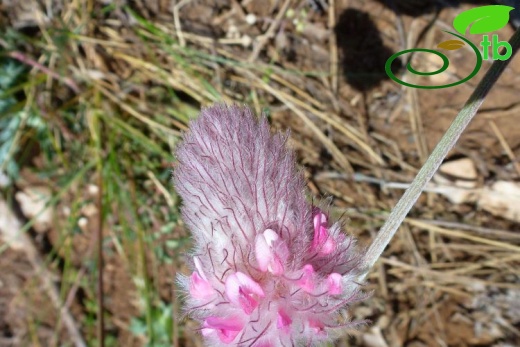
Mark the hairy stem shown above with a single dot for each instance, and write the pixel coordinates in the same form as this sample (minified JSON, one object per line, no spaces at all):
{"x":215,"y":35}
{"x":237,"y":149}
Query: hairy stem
{"x":433,"y":162}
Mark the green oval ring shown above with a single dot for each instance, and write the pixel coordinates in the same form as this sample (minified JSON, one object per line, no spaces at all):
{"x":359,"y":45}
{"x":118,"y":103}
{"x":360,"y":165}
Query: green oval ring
{"x":442,"y":69}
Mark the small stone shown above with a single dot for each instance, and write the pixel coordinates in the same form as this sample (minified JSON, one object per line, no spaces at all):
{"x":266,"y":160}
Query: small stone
{"x":462,"y":168}
{"x":93,"y":190}
{"x":246,"y":41}
{"x":4,"y":180}
{"x":33,"y":201}
{"x":89,"y":210}
{"x":374,"y":338}
{"x":82,"y":223}
{"x":251,"y":19}
{"x":66,"y":211}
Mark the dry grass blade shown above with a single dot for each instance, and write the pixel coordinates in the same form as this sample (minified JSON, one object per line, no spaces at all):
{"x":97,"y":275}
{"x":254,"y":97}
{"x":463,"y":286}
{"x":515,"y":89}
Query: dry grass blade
{"x":496,"y":263}
{"x":491,"y":233}
{"x":506,"y":147}
{"x":336,"y":153}
{"x":442,"y":277}
{"x":329,"y":118}
{"x":136,"y":114}
{"x":463,"y":235}
{"x":176,"y":18}
{"x":262,"y":40}
{"x":161,"y":75}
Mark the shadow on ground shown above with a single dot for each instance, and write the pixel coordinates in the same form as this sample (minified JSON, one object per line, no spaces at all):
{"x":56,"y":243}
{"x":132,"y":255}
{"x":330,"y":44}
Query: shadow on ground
{"x":362,"y":50}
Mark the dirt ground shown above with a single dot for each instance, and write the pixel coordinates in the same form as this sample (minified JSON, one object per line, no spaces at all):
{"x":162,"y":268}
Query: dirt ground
{"x":449,"y":278}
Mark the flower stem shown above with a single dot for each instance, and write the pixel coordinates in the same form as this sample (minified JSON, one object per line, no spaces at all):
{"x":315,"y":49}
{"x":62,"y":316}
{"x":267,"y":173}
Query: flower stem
{"x":433,"y":162}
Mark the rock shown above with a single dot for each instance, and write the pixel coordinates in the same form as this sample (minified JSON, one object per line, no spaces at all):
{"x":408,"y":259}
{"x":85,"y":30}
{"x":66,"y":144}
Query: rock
{"x":32,"y":201}
{"x":10,"y":227}
{"x":374,"y":338}
{"x":502,"y":199}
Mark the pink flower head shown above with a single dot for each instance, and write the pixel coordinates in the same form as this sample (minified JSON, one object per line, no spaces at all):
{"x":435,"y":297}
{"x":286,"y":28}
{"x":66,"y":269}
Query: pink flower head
{"x":270,"y":268}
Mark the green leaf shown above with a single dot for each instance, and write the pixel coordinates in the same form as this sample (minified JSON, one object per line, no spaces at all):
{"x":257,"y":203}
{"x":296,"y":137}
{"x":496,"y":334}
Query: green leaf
{"x":451,"y":45}
{"x":485,"y":19}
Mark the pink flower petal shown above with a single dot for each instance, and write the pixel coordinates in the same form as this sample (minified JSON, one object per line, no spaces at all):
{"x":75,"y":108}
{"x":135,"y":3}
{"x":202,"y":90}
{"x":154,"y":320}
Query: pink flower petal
{"x":334,"y":284}
{"x":307,"y":281}
{"x":243,"y":291}
{"x":263,"y":252}
{"x":275,"y":266}
{"x":323,"y":242}
{"x":328,"y":246}
{"x":270,"y":252}
{"x":317,"y":326}
{"x":199,"y":287}
{"x":320,"y":219}
{"x":283,"y":321}
{"x":227,"y":328}
{"x":270,"y":236}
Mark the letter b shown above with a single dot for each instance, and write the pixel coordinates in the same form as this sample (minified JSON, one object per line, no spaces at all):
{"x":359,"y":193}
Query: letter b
{"x":497,"y":44}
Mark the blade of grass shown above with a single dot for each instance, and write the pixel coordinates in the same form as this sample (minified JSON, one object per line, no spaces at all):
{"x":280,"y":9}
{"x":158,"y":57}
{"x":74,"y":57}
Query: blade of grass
{"x":134,"y":134}
{"x":94,"y":124}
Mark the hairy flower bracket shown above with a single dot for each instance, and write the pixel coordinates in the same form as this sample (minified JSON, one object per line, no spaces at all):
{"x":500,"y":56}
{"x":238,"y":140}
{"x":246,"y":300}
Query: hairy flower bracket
{"x":270,"y":268}
{"x":334,"y":284}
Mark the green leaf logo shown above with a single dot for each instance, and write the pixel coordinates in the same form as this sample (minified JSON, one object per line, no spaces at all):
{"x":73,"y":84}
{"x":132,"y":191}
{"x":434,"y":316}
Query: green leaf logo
{"x":485,"y":19}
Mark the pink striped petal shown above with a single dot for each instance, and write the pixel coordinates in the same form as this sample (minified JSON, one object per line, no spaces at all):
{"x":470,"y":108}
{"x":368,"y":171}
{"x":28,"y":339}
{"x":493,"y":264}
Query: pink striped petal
{"x":200,"y":288}
{"x":320,"y":219}
{"x":243,"y":291}
{"x":323,"y":242}
{"x":227,"y":328}
{"x":283,"y":321}
{"x":307,"y":281}
{"x":263,"y":248}
{"x":270,"y":252}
